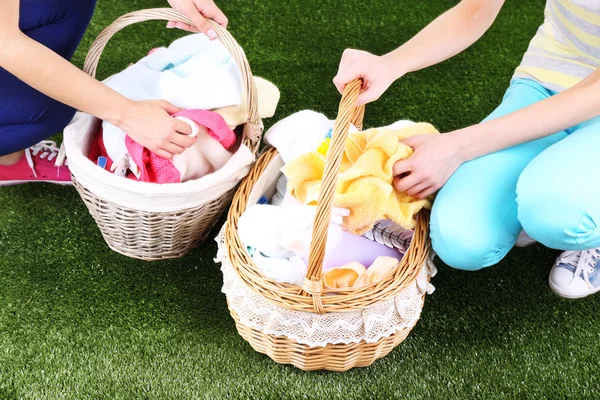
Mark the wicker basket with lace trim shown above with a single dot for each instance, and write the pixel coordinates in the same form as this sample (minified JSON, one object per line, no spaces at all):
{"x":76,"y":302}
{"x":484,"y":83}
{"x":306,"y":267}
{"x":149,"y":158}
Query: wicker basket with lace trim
{"x":313,"y":327}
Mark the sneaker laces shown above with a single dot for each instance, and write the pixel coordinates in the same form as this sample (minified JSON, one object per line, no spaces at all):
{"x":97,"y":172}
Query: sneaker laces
{"x":584,"y":262}
{"x":46,"y":149}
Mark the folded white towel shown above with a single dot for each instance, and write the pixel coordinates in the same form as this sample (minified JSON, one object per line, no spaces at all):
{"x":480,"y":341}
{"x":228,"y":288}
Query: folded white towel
{"x":263,"y":226}
{"x":298,"y":134}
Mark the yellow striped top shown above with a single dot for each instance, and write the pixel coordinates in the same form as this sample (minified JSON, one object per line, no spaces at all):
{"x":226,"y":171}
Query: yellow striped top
{"x":566,"y":48}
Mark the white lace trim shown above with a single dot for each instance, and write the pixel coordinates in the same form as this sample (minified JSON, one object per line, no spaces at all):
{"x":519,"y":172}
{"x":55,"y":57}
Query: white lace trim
{"x":370,"y":325}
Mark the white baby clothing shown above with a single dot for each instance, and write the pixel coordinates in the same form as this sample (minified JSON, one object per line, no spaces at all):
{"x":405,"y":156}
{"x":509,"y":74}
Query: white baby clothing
{"x":300,"y":133}
{"x":206,"y":156}
{"x":263,"y":226}
{"x":290,"y":270}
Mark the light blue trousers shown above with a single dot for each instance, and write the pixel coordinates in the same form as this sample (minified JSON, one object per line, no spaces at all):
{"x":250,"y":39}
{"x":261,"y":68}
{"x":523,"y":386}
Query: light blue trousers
{"x":550,"y":187}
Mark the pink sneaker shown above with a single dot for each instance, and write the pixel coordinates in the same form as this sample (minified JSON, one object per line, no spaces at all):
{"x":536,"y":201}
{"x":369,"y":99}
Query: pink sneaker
{"x":38,"y":164}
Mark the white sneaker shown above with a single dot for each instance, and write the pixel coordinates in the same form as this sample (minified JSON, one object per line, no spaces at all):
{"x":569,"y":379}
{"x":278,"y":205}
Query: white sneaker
{"x":576,"y":274}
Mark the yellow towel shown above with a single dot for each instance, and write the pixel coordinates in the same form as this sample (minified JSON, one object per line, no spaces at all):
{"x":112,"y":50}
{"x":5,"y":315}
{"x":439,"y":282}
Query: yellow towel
{"x":365,"y":185}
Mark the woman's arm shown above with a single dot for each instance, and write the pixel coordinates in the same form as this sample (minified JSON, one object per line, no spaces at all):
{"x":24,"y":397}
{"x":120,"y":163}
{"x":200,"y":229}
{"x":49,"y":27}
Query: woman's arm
{"x":448,"y":35}
{"x":437,"y":157}
{"x":148,"y":122}
{"x":554,"y":114}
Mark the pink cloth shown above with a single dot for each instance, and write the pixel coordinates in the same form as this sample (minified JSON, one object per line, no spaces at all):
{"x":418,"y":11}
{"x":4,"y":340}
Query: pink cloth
{"x":157,"y":169}
{"x":153,"y":168}
{"x":217,"y":126}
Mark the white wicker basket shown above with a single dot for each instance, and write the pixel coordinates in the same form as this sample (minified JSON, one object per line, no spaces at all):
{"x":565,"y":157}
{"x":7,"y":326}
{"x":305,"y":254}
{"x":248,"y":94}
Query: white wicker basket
{"x":150,"y":221}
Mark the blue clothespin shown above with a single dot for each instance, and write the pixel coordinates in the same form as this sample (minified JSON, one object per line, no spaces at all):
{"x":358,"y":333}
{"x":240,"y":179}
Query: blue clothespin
{"x":263,"y":200}
{"x":102,"y":162}
{"x":328,"y":136}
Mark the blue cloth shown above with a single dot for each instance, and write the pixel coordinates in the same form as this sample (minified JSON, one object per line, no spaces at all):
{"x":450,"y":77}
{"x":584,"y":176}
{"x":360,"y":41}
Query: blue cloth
{"x":547,"y":187}
{"x":26,"y":115}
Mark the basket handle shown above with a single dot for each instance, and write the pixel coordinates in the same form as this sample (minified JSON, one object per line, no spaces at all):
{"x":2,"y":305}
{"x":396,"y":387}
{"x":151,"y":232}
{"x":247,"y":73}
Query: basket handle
{"x":348,"y":113}
{"x":253,"y":128}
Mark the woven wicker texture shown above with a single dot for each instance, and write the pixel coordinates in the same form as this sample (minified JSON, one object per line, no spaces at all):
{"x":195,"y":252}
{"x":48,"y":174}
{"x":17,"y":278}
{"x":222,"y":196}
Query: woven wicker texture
{"x":150,"y":235}
{"x":312,"y":296}
{"x":336,"y":357}
{"x":161,"y":235}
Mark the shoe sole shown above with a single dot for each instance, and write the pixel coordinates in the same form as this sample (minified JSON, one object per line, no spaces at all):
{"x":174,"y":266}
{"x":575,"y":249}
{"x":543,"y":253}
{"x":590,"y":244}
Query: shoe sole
{"x":568,"y":295}
{"x":12,"y":183}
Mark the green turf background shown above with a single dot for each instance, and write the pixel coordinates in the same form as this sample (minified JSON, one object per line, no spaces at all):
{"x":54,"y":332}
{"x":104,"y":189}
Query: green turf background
{"x":78,"y":321}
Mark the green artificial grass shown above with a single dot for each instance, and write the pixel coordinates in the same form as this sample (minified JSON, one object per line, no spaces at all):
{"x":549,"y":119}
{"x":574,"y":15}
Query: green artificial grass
{"x":78,"y":321}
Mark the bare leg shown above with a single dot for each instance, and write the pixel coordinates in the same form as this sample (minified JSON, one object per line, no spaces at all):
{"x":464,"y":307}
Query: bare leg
{"x":10,"y":159}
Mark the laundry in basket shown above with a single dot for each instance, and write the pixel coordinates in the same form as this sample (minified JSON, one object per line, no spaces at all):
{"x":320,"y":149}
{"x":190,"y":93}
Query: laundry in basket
{"x":309,"y":324}
{"x":150,"y":221}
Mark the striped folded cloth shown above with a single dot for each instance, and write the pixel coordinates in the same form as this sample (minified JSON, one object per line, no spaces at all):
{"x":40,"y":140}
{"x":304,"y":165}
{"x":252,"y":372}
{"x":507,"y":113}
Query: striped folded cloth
{"x":391,"y":235}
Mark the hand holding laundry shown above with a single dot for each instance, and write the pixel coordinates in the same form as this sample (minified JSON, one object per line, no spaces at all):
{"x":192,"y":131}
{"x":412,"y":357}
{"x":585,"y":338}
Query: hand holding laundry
{"x":193,"y":72}
{"x":198,"y":11}
{"x":278,"y":236}
{"x":149,"y":124}
{"x":209,"y":153}
{"x":434,"y":160}
{"x":365,"y":183}
{"x":211,"y":150}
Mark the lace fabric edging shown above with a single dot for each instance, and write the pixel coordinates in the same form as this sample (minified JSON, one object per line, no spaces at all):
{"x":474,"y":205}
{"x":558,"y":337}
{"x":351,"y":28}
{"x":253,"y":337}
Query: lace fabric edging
{"x":369,"y":325}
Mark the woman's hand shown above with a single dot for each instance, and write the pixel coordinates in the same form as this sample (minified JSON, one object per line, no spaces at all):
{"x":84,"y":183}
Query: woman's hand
{"x":434,"y":160}
{"x":198,"y":11}
{"x":376,"y":72}
{"x":149,"y":124}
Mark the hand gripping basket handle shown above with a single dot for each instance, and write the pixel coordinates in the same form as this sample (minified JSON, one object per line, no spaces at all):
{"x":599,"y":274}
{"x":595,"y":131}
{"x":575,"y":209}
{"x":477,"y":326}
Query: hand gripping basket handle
{"x":253,"y":129}
{"x":348,"y":113}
